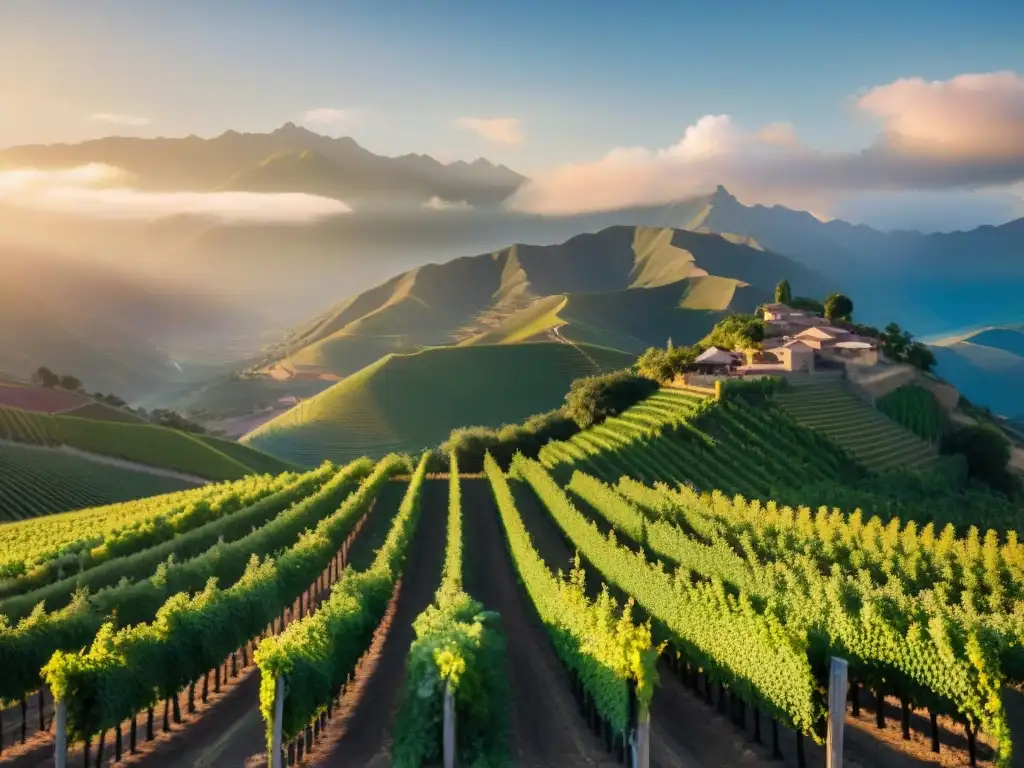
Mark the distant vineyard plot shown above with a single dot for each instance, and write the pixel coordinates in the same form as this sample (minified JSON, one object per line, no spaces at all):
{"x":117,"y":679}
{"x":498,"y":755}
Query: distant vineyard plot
{"x":37,"y":481}
{"x":409,"y":402}
{"x":875,"y":439}
{"x":141,"y":443}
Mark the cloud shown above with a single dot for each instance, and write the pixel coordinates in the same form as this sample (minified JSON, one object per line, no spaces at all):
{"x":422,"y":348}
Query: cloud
{"x":102,"y":191}
{"x":437,"y":204}
{"x":501,"y":130}
{"x":116,"y":119}
{"x":970,"y":116}
{"x":331,"y":116}
{"x":959,"y":134}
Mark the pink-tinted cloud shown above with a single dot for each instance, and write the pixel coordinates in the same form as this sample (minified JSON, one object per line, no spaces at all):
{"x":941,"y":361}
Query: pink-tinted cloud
{"x":501,"y":130}
{"x":969,"y":116}
{"x":963,"y":133}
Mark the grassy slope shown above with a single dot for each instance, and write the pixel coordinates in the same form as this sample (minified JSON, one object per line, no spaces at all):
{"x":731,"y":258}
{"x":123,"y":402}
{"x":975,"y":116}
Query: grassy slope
{"x":103,"y":412}
{"x":151,"y":445}
{"x":408,"y":402}
{"x":258,"y":461}
{"x":35,"y":481}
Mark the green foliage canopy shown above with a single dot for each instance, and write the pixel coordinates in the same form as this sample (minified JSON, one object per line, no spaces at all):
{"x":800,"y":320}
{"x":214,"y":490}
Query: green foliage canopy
{"x":783,"y":293}
{"x":838,"y":306}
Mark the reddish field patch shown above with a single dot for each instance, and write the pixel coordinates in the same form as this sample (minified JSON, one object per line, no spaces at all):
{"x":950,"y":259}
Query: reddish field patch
{"x":40,"y":399}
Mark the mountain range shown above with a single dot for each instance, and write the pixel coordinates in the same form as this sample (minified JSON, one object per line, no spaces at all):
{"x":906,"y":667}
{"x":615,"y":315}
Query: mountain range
{"x":289,"y":159}
{"x":259,"y":278}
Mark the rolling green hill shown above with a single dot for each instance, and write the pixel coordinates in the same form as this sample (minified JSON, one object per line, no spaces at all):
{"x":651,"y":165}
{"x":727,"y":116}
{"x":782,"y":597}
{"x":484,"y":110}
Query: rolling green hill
{"x":409,"y":402}
{"x":623,"y":287}
{"x":141,"y":443}
{"x":103,"y":412}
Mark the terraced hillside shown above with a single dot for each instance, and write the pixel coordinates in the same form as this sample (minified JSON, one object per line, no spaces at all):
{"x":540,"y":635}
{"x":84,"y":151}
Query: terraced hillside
{"x":139,"y":443}
{"x":39,"y":481}
{"x":877,"y":441}
{"x":760,"y":450}
{"x":663,"y":410}
{"x":407,"y":403}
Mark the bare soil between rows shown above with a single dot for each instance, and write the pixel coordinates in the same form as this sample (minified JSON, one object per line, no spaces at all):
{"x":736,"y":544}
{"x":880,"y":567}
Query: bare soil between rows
{"x":545,"y":725}
{"x":359,"y":732}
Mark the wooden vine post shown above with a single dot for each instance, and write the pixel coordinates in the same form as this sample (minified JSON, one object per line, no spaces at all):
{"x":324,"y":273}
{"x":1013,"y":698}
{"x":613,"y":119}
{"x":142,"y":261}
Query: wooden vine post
{"x":643,"y":740}
{"x":60,"y":746}
{"x":448,"y":737}
{"x":275,"y":743}
{"x":836,"y":711}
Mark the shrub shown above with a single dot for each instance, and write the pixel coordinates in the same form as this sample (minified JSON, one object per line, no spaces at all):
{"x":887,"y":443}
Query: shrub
{"x":736,"y":332}
{"x":470,"y":444}
{"x":749,"y":390}
{"x":593,"y":399}
{"x":808,"y":305}
{"x":664,"y":364}
{"x":987,"y":451}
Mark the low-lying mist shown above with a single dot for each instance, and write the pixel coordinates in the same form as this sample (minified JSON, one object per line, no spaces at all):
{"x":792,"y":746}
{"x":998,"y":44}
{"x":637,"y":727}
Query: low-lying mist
{"x":99,"y":190}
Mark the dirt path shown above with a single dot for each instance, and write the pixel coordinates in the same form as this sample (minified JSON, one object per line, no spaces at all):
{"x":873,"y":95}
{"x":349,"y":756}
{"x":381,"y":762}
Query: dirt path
{"x":360,"y":731}
{"x":110,"y":461}
{"x":545,"y":726}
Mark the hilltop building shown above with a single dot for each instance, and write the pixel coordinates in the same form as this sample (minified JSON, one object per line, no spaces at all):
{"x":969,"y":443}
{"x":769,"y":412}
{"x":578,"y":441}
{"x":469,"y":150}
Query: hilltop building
{"x":801,"y":341}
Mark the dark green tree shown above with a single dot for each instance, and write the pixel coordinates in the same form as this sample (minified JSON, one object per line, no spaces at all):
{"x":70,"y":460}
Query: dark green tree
{"x":807,"y":305}
{"x":838,"y":306}
{"x":735,"y":332}
{"x":45,"y":377}
{"x":783,"y":293}
{"x":920,"y":356}
{"x":70,"y":383}
{"x":987,"y":451}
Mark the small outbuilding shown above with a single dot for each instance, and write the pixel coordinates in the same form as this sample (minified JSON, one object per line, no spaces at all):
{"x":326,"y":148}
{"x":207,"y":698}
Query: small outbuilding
{"x":795,"y":356}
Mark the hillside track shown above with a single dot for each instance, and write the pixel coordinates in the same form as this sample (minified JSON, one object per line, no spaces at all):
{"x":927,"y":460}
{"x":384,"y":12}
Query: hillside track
{"x":359,"y":733}
{"x":545,"y":726}
{"x":112,"y":461}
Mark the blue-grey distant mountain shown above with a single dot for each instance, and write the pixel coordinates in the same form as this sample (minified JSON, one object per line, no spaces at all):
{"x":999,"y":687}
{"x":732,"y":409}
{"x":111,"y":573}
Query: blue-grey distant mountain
{"x":932,"y":283}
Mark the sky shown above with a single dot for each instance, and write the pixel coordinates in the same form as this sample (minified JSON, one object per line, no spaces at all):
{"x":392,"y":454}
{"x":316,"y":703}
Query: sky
{"x":616,"y":100}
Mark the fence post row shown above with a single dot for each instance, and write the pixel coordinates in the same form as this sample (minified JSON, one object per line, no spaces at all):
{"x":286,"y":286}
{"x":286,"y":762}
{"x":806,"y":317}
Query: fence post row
{"x":275,"y":744}
{"x":836,"y":711}
{"x":449,"y":727}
